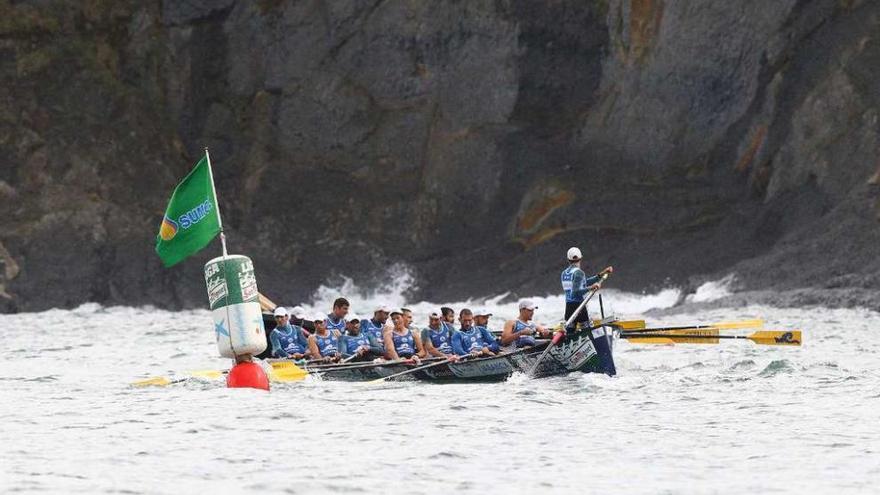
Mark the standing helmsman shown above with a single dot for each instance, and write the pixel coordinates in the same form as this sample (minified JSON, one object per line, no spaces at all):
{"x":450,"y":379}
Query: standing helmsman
{"x":576,"y":285}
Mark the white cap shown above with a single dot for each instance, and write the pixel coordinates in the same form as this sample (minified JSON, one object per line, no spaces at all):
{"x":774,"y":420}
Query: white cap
{"x":436,"y":314}
{"x":528,"y":303}
{"x":482,"y":312}
{"x":319,"y":317}
{"x":351,"y":316}
{"x":298,"y":312}
{"x":280,"y":311}
{"x":383,"y":307}
{"x":574,"y":254}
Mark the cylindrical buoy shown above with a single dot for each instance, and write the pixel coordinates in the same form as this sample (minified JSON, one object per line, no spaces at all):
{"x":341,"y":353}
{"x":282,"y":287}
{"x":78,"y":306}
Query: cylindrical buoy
{"x":235,"y":306}
{"x":247,"y":374}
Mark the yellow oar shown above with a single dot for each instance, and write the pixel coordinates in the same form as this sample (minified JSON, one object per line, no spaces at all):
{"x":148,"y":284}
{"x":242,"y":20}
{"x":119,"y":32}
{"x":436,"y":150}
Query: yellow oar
{"x":629,"y":324}
{"x":764,"y":337}
{"x":732,"y":325}
{"x":282,"y":371}
{"x":286,"y":371}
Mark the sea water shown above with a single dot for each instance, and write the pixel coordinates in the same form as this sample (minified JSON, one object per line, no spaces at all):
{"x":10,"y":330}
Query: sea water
{"x":728,"y":418}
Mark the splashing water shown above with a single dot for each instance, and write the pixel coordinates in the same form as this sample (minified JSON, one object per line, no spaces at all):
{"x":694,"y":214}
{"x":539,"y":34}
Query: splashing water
{"x":727,"y":418}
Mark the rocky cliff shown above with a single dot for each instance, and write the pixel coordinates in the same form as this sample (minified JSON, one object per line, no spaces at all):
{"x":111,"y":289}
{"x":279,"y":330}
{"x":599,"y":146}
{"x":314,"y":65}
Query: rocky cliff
{"x":472,"y":140}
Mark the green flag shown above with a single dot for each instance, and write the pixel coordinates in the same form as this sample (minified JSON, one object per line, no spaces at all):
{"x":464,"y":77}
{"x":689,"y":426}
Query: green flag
{"x":191,"y":219}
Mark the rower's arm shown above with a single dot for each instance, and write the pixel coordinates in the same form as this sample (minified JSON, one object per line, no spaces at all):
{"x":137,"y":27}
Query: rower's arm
{"x":277,"y":351}
{"x":342,"y":345}
{"x":489,"y":339}
{"x":508,"y":336}
{"x":313,"y":348}
{"x":456,"y":344}
{"x":427,"y":345}
{"x":389,"y":345}
{"x":420,"y":349}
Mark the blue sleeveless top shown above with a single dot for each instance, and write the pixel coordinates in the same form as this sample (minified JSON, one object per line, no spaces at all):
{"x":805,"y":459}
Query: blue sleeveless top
{"x":524,"y":340}
{"x":353,"y":342}
{"x":338,"y":325}
{"x":441,"y":338}
{"x":373,"y":330}
{"x":326,"y":345}
{"x":405,"y":345}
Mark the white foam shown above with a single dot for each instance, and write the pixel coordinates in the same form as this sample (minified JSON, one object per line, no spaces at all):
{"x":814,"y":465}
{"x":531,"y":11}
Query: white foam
{"x":713,"y":290}
{"x":399,"y":281}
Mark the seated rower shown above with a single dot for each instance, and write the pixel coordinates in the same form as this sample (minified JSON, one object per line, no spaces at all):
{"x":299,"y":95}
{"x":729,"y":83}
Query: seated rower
{"x":354,"y":344}
{"x":336,"y":319}
{"x":437,"y":339}
{"x":521,"y":332}
{"x":298,"y":319}
{"x":323,"y":344}
{"x":401,"y":342}
{"x":288,"y":341}
{"x":470,"y":340}
{"x":374,"y":329}
{"x":448,"y":318}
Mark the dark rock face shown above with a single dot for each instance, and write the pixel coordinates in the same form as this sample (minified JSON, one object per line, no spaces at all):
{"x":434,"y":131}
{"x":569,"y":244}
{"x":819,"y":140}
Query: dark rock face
{"x":474,"y":141}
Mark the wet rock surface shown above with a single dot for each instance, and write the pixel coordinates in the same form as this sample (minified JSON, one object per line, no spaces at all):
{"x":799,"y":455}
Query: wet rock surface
{"x":472,"y":141}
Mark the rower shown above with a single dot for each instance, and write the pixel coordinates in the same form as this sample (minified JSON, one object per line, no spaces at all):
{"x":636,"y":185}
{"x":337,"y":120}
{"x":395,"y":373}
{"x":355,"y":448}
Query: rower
{"x":336,"y":319}
{"x":470,"y":340}
{"x":298,"y":319}
{"x":448,"y":318}
{"x":521,"y":332}
{"x":354,"y":344}
{"x":287,"y":340}
{"x":323,"y":344}
{"x":400,"y":341}
{"x":374,"y":329}
{"x":576,"y":284}
{"x":437,"y":338}
{"x":407,"y":317}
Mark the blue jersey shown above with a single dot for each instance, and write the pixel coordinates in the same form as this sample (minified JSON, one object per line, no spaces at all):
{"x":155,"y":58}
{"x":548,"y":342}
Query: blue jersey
{"x":373,"y":331}
{"x":333,"y":324}
{"x":349,"y":344}
{"x":288,"y":340}
{"x":327,"y":345}
{"x":440,"y":338}
{"x":524,"y":340}
{"x":474,"y":339}
{"x":575,"y":283}
{"x":405,"y":344}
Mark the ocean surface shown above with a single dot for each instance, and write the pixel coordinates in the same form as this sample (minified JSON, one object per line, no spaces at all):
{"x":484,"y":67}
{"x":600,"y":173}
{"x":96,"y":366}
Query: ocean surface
{"x":727,"y":418}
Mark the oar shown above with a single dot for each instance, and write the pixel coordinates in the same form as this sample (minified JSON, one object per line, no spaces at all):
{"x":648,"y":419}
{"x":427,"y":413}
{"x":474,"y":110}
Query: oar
{"x":413,"y":370}
{"x":716,"y":326}
{"x":764,"y":337}
{"x":558,"y":335}
{"x":162,"y":381}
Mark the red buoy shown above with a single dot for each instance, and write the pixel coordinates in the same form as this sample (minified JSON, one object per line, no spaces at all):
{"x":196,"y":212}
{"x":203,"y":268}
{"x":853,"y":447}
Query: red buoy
{"x":247,"y":375}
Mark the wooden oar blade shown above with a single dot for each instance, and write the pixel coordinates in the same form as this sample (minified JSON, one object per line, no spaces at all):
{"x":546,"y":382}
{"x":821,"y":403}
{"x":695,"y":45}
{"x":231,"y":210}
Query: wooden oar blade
{"x":286,"y":371}
{"x":629,"y":324}
{"x":781,"y":337}
{"x":207,"y":373}
{"x":756,"y":323}
{"x":156,"y":381}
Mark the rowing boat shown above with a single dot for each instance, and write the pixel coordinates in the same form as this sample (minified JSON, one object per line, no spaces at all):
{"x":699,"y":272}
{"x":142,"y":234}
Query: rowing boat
{"x":574,"y":353}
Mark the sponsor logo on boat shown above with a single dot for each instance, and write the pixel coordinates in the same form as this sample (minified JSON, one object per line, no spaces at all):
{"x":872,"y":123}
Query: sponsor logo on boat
{"x":786,"y":338}
{"x":196,"y":214}
{"x":168,"y":229}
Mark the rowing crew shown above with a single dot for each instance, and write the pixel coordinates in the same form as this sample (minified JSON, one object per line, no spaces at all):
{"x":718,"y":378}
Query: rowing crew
{"x":355,"y":339}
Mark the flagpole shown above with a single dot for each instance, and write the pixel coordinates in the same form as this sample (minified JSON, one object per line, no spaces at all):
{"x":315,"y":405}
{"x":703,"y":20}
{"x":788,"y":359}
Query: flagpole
{"x":216,"y":204}
{"x":222,"y":242}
